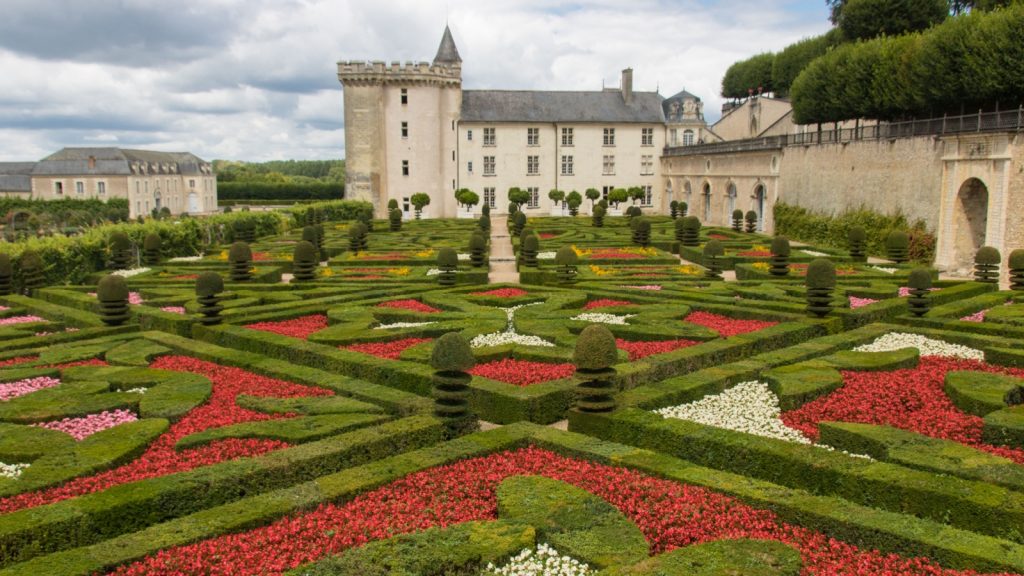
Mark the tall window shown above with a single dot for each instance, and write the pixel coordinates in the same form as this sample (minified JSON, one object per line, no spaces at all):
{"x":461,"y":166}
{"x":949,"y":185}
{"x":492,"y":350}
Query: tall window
{"x":609,"y":136}
{"x":489,"y":198}
{"x":647,"y":137}
{"x":605,"y":190}
{"x":58,"y":188}
{"x":405,"y":95}
{"x":80,"y":188}
{"x":405,"y":129}
{"x":609,"y":165}
{"x":405,"y":167}
{"x":566,"y":136}
{"x":489,"y":138}
{"x":673,"y":137}
{"x":534,"y":200}
{"x":533,"y":136}
{"x":533,"y":165}
{"x":469,"y":135}
{"x":101,"y":188}
{"x":488,"y":165}
{"x":566,"y":165}
{"x":648,"y":198}
{"x":688,"y":138}
{"x":469,"y":167}
{"x":646,"y":165}
{"x":191,"y":184}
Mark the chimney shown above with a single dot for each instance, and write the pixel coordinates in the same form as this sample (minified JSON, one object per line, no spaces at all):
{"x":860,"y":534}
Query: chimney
{"x":627,"y":86}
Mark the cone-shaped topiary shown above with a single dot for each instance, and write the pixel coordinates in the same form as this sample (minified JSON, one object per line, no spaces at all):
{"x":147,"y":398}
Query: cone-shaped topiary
{"x":6,"y":274}
{"x":594,"y":356}
{"x":597,"y":218}
{"x":642,"y":232}
{"x":897,"y":245}
{"x":737,"y":220}
{"x":751,"y":221}
{"x":780,"y":256}
{"x":240,"y":262}
{"x":451,"y":359}
{"x":209,"y":285}
{"x":691,"y":231}
{"x":112,"y":293}
{"x":529,"y":249}
{"x":986,"y":265}
{"x":477,"y":247}
{"x":120,"y":251}
{"x":304,"y":261}
{"x":713,"y":250}
{"x":151,"y":246}
{"x":356,"y":232}
{"x":920,"y":284}
{"x":1016,"y":265}
{"x":33,"y":273}
{"x":857,"y":240}
{"x":448,"y":263}
{"x":673,"y":209}
{"x":518,"y":223}
{"x":394,"y":219}
{"x":565,"y":261}
{"x":484,"y":223}
{"x":820,"y":281}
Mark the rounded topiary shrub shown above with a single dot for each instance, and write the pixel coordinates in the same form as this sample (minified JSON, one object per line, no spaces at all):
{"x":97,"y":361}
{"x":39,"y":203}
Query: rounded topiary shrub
{"x":594,"y":356}
{"x":986,"y":265}
{"x":304,"y":261}
{"x":737,"y":220}
{"x":566,"y":260}
{"x":683,"y":207}
{"x":151,"y":247}
{"x":477,"y":249}
{"x":6,"y":274}
{"x":691,"y":231}
{"x":820,"y":281}
{"x":112,"y":293}
{"x":713,"y":252}
{"x":597,"y":218}
{"x":451,"y":359}
{"x":673,"y":209}
{"x":642,"y":232}
{"x":447,"y":263}
{"x":897,"y":245}
{"x":120,"y":251}
{"x":240,"y":262}
{"x":484,"y":222}
{"x":633,"y":212}
{"x":857,"y":240}
{"x":395,"y":219}
{"x":357,"y":240}
{"x":208,"y":287}
{"x":920,"y":284}
{"x":780,"y":256}
{"x":529,"y":248}
{"x":33,"y":272}
{"x":311,"y":235}
{"x":518,"y":223}
{"x":751,"y":222}
{"x":1016,"y":265}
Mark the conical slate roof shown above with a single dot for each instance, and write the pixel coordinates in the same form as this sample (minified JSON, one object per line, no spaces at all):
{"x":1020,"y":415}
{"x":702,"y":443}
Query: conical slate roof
{"x":447,"y":53}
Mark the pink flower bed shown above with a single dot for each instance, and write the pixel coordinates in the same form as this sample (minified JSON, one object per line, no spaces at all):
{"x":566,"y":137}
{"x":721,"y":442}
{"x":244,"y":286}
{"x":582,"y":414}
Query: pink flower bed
{"x":726,"y":326}
{"x":413,"y":305}
{"x":20,"y":320}
{"x":133,"y":297}
{"x":651,"y":287}
{"x":522,"y":372}
{"x":606,"y":303}
{"x":85,"y":426}
{"x":174,"y":309}
{"x":905,"y":291}
{"x":755,"y":253}
{"x":978,"y":316}
{"x":502,"y":293}
{"x":856,"y":302}
{"x":9,"y":390}
{"x":389,"y":350}
{"x":300,"y":327}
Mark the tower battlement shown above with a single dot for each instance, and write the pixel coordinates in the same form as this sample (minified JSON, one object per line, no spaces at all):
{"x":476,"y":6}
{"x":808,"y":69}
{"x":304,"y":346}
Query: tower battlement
{"x":361,"y":72}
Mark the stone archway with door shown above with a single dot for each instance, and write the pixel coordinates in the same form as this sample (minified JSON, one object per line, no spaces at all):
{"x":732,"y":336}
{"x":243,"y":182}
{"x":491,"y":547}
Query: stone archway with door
{"x":970,"y":224}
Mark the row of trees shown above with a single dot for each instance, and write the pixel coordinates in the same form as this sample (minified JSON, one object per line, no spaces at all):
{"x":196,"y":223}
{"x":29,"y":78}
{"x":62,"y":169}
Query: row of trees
{"x":281,"y":171}
{"x":572,"y":200}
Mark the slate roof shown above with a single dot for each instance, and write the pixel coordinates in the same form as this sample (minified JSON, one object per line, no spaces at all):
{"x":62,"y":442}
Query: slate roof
{"x":118,"y":161}
{"x":16,"y":176}
{"x":684,"y":95}
{"x":580,"y":107}
{"x":447,"y":53}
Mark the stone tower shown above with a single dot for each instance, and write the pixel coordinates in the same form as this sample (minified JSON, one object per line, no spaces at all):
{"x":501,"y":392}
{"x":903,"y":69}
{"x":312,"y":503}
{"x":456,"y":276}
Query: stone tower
{"x":400,"y":129}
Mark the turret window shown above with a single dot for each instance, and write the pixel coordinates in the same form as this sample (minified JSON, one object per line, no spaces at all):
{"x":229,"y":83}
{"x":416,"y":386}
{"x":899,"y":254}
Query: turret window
{"x":405,"y":96}
{"x":405,"y":129}
{"x":405,"y":167}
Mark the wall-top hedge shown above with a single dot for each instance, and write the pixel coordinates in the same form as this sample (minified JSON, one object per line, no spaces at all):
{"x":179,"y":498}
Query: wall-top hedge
{"x":280,"y":191}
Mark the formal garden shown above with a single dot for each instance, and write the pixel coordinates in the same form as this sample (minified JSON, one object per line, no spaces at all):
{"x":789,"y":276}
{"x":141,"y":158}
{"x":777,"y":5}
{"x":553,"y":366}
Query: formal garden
{"x":313,"y":392}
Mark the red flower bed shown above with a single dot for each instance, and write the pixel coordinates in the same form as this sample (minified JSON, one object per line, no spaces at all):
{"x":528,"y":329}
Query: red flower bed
{"x":161,"y":458}
{"x":414,"y":305}
{"x":18,"y":360}
{"x":502,"y":293}
{"x":522,"y":372}
{"x":638,"y":350}
{"x":390,"y":350}
{"x":300,"y":327}
{"x":718,"y":237}
{"x":185,"y":277}
{"x":911,"y":399}
{"x":671,"y":515}
{"x":726,"y":326}
{"x":755,"y":253}
{"x":609,"y":253}
{"x":547,"y":235}
{"x":606,"y":303}
{"x":260,"y":256}
{"x":89,"y":362}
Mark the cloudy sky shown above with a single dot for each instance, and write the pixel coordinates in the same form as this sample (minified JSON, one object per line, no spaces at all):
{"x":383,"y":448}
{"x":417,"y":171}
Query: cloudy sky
{"x":256,"y":79}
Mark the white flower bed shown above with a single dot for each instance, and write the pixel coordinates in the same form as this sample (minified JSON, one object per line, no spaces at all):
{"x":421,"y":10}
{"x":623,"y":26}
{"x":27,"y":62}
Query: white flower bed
{"x":510,"y":336}
{"x":601,"y":318}
{"x":464,"y":257}
{"x":927,"y":346}
{"x":136,"y":390}
{"x":884,"y":269}
{"x":12,"y":471}
{"x":433,"y":272}
{"x":544,"y":561}
{"x":402,"y":325}
{"x":545,"y":255}
{"x":815,"y":254}
{"x":186,"y":258}
{"x":130,"y":273}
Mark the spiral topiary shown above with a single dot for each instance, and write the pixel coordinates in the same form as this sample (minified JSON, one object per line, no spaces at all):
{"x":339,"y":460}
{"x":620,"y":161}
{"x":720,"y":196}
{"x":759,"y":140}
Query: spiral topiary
{"x":565,"y":262}
{"x":673,"y":209}
{"x":452,"y":359}
{"x":309,"y":234}
{"x":820,"y":281}
{"x":366,"y":218}
{"x":485,"y":210}
{"x":120,"y":251}
{"x":151,"y":249}
{"x":33,"y":272}
{"x":529,"y":248}
{"x":518,"y":223}
{"x":986,"y":265}
{"x":737,"y":220}
{"x":594,"y":356}
{"x":1016,"y":265}
{"x":691,"y":231}
{"x":112,"y":293}
{"x":304,"y":261}
{"x":209,"y":285}
{"x":245,"y":230}
{"x":6,"y":274}
{"x":357,"y":237}
{"x":597,"y":218}
{"x":713,"y":250}
{"x":395,"y":220}
{"x":751,"y":221}
{"x":780,"y":256}
{"x":642,"y":232}
{"x":897,"y":245}
{"x":858,"y":243}
{"x":240,"y":262}
{"x":484,"y":223}
{"x":512,"y":209}
{"x":920,"y":284}
{"x":448,"y":263}
{"x":683,"y":207}
{"x":477,"y":247}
